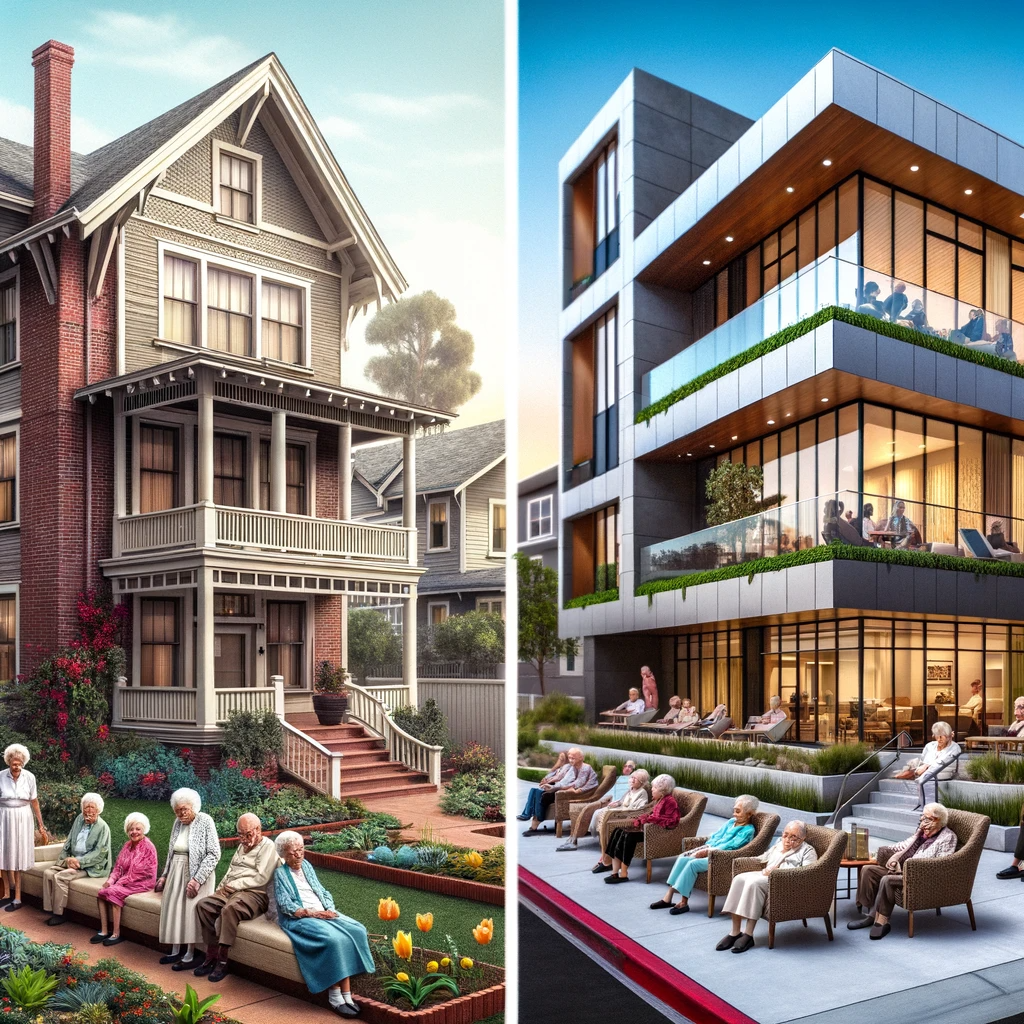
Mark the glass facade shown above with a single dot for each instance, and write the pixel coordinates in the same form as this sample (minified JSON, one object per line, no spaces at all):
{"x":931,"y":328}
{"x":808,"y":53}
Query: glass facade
{"x":709,"y":669}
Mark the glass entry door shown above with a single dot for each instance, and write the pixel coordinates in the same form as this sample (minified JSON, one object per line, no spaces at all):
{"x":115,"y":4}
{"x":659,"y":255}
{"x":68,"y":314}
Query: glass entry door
{"x":231,"y":662}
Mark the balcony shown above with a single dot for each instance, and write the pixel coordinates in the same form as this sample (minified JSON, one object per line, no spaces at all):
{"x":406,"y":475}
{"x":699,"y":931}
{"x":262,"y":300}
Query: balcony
{"x":215,"y":526}
{"x":833,"y":282}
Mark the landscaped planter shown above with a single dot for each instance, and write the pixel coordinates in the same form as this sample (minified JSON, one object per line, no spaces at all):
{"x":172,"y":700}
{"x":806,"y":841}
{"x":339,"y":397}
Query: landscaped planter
{"x":230,"y":842}
{"x":1000,"y":837}
{"x":482,"y":892}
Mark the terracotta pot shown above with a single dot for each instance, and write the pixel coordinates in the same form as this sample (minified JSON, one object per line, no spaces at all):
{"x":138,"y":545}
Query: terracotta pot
{"x":330,"y":708}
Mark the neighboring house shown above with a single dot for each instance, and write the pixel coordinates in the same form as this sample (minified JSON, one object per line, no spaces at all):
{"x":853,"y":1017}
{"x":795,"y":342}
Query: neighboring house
{"x":538,"y":540}
{"x":460,"y":515}
{"x":691,"y":234}
{"x":174,"y":413}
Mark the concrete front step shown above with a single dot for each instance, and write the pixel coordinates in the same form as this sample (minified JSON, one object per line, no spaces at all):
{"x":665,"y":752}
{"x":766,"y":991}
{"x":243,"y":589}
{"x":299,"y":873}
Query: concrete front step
{"x":897,"y":815}
{"x":897,"y":786}
{"x":894,"y":799}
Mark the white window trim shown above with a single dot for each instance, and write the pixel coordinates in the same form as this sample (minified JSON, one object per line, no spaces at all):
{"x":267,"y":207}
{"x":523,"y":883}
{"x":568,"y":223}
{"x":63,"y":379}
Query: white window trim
{"x":431,"y":605}
{"x":492,"y":552}
{"x":6,"y":276}
{"x":447,"y":522}
{"x":14,"y":590}
{"x":489,"y":601}
{"x":529,"y":515}
{"x":15,"y":429}
{"x":257,"y":199}
{"x":257,"y":274}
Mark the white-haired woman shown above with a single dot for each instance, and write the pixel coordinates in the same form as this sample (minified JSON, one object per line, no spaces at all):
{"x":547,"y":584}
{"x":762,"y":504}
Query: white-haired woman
{"x":189,"y":876}
{"x":18,"y":802}
{"x":329,"y":946}
{"x":635,"y":798}
{"x":749,"y":889}
{"x":86,"y":853}
{"x":134,"y":872}
{"x":736,"y":832}
{"x":622,"y":843}
{"x":937,"y":761}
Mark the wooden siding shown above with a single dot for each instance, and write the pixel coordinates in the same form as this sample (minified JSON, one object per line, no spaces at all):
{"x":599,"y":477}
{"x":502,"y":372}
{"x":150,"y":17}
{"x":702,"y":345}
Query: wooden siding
{"x":478,"y":495}
{"x":11,"y":222}
{"x":474,"y":708}
{"x":442,"y":561}
{"x":363,"y":501}
{"x":10,"y":390}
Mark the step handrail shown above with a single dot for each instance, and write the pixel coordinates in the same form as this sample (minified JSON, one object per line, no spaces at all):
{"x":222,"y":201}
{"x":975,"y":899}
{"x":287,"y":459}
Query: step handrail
{"x":371,"y":712}
{"x":319,"y":768}
{"x":874,"y":753}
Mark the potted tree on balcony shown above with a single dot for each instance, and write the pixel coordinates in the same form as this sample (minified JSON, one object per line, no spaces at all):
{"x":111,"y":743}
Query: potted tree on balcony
{"x":330,"y":694}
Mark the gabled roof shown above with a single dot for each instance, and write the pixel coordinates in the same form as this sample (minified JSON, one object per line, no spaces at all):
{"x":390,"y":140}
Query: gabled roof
{"x":444,"y":462}
{"x":16,"y":169}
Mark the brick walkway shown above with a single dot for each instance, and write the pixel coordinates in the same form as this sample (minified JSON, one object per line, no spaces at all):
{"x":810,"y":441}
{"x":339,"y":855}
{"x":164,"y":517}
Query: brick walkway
{"x":420,"y":810}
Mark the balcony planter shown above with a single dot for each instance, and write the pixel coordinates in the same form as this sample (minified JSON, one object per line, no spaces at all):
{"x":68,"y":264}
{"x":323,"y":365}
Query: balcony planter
{"x":330,"y":694}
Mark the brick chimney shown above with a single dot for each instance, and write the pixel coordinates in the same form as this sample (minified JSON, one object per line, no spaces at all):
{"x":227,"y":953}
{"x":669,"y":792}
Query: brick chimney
{"x":52,"y":158}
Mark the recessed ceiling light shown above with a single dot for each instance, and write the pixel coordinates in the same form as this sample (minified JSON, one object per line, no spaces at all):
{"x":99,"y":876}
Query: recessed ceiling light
{"x":771,"y":423}
{"x":914,"y":167}
{"x":728,"y":238}
{"x":679,"y":456}
{"x":788,"y":414}
{"x":922,"y":446}
{"x":789,"y":188}
{"x":968,"y":191}
{"x":824,"y":399}
{"x":688,"y":454}
{"x":707,"y":263}
{"x":735,"y":437}
{"x":826,"y":163}
{"x":711,"y":446}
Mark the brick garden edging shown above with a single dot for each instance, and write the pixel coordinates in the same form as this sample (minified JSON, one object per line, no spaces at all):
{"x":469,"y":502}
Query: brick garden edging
{"x":460,"y":1010}
{"x":481,"y":892}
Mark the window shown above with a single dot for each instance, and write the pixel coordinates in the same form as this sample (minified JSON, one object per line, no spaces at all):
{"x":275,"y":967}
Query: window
{"x":229,"y":475}
{"x":158,"y":468}
{"x":538,"y":518}
{"x":160,"y":641}
{"x":606,"y":190}
{"x":594,"y":219}
{"x":9,"y":319}
{"x":437,"y":612}
{"x":437,"y":526}
{"x":229,"y":311}
{"x":498,"y":531}
{"x":282,"y":323}
{"x":233,"y":604}
{"x":594,"y":540}
{"x":8,"y":637}
{"x":237,"y":188}
{"x":181,"y":301}
{"x":593,"y":443}
{"x":295,"y":477}
{"x":8,"y":478}
{"x":494,"y":605}
{"x":285,"y":642}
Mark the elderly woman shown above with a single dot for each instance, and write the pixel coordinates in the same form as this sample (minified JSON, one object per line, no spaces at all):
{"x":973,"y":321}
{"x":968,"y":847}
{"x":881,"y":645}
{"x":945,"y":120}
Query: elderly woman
{"x":935,"y":763}
{"x":749,"y":889}
{"x":736,"y":832}
{"x":18,"y":803}
{"x":329,"y":947}
{"x":623,"y":842}
{"x":577,"y":778}
{"x":134,"y":871}
{"x":86,"y":853}
{"x":632,"y":800}
{"x":596,"y":808}
{"x":192,"y":855}
{"x":532,"y":807}
{"x":881,"y":885}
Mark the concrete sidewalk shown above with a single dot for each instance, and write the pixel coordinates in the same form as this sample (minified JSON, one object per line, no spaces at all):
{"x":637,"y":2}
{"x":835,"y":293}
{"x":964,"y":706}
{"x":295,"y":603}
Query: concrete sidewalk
{"x":958,"y":976}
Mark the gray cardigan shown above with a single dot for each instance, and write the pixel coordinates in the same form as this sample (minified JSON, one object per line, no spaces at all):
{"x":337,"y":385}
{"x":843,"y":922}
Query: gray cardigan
{"x":203,"y":847}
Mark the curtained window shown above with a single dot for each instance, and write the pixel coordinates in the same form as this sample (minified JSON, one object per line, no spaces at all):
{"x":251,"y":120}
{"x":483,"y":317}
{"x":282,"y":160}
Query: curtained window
{"x":285,"y":642}
{"x":8,"y":320}
{"x":160,"y":640}
{"x":8,"y":637}
{"x":229,"y":474}
{"x":229,"y":312}
{"x":181,"y":300}
{"x":282,"y":322}
{"x":158,"y":468}
{"x":294,"y":475}
{"x":237,"y":188}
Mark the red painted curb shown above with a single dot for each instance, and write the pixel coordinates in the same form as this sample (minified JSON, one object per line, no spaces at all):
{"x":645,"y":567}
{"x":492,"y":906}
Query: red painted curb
{"x":640,"y":965}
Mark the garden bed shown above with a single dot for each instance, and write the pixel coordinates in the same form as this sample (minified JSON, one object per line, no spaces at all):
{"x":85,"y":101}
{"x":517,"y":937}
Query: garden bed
{"x":304,"y":830}
{"x":354,"y":862}
{"x":1000,"y":801}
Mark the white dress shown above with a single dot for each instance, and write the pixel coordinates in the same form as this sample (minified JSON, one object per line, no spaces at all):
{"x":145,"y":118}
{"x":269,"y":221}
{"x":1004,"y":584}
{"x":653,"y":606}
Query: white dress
{"x":179,"y":922}
{"x":17,"y":833}
{"x":749,"y":889}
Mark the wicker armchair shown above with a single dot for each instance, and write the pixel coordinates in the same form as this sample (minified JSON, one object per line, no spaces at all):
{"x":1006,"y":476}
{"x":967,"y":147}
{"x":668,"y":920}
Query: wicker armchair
{"x":802,"y":892}
{"x":717,"y":879}
{"x":661,"y":842}
{"x":943,"y":881}
{"x":621,"y":818}
{"x":559,"y":810}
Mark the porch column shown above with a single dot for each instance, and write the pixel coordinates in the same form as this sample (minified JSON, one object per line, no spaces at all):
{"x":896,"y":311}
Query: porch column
{"x":120,"y":462}
{"x":409,"y":674}
{"x":204,"y":456}
{"x":409,"y":494}
{"x":206,"y":698}
{"x":278,"y":488}
{"x":345,"y":471}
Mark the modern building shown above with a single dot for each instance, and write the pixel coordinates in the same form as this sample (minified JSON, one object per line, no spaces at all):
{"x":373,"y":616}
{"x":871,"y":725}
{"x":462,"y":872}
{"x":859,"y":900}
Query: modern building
{"x":175,"y":414}
{"x":884,"y":230}
{"x":538,"y":540}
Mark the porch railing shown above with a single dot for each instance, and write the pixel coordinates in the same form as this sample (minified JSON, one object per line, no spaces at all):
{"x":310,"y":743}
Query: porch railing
{"x":172,"y":528}
{"x":370,"y":711}
{"x":311,"y":762}
{"x":391,"y":695}
{"x":166,"y":705}
{"x":253,"y":698}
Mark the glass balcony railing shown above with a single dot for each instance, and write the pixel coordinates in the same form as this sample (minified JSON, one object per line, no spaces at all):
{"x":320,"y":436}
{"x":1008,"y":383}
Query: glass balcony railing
{"x":835,"y":282}
{"x":894,"y":522}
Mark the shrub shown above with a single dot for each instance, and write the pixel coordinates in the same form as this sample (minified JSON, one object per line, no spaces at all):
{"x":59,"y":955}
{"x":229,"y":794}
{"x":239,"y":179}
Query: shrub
{"x":474,"y":757}
{"x":152,"y":773}
{"x":431,"y":858}
{"x":330,"y":679}
{"x":527,"y":738}
{"x":59,"y":801}
{"x":371,"y":640}
{"x":384,"y":855}
{"x":556,"y":709}
{"x":476,"y":638}
{"x":472,"y":793}
{"x":250,"y":736}
{"x":990,"y":768}
{"x":72,"y":999}
{"x":1003,"y":810}
{"x":29,"y":989}
{"x":427,"y":723}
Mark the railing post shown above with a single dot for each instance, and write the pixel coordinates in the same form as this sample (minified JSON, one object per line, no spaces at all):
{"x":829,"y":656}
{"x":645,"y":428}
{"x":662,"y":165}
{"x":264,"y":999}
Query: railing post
{"x":116,"y":716}
{"x":336,"y":775}
{"x":277,"y":682}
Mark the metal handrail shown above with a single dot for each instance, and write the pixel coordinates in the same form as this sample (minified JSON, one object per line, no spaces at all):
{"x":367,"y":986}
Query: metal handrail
{"x":874,"y":753}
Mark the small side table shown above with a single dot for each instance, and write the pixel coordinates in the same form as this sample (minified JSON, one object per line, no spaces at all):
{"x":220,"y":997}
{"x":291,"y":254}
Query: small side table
{"x":850,"y":864}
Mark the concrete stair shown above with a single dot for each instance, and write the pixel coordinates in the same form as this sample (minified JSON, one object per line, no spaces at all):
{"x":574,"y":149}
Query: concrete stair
{"x":367,"y":769}
{"x":889,"y":815}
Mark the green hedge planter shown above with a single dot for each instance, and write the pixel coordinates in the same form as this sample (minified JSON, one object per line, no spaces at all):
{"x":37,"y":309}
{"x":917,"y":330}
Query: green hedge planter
{"x":600,"y":597}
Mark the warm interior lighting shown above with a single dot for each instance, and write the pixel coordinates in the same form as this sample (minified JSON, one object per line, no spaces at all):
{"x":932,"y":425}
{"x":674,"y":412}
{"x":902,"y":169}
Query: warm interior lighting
{"x":711,"y":446}
{"x":824,"y":399}
{"x":789,"y":188}
{"x":826,"y":163}
{"x":735,"y":437}
{"x":914,"y":167}
{"x":771,"y":423}
{"x":707,"y":263}
{"x":968,"y":191}
{"x":688,"y":454}
{"x":728,"y":238}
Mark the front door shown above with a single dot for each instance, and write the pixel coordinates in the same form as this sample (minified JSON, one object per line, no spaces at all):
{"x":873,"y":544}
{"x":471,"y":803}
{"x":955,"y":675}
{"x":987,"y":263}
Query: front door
{"x":231,"y":658}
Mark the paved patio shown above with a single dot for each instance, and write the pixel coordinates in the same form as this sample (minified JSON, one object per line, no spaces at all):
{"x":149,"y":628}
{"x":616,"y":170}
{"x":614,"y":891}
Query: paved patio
{"x":946,"y":973}
{"x":420,"y":810}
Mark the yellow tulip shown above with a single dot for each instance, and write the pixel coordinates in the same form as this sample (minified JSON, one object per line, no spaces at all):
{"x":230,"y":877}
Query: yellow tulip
{"x":484,"y":931}
{"x":424,"y":922}
{"x":446,"y":961}
{"x":401,"y":976}
{"x":473,"y":859}
{"x":402,"y":943}
{"x":465,"y":963}
{"x":432,"y":966}
{"x":387,"y":909}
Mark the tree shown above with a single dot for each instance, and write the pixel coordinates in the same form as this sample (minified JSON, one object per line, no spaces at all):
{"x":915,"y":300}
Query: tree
{"x":371,"y":640}
{"x":476,"y":637}
{"x":539,"y":641}
{"x":734,"y":491}
{"x":428,"y":356}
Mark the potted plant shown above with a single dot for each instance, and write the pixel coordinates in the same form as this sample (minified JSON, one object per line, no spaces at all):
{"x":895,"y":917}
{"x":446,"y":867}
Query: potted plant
{"x":330,"y":694}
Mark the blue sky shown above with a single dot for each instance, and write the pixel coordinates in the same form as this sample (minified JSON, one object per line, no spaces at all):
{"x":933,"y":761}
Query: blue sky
{"x":410,"y":95}
{"x":742,"y":55}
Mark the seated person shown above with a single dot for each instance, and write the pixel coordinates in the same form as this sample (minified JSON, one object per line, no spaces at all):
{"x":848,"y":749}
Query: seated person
{"x":974,"y":329}
{"x":785,"y":545}
{"x":867,"y":524}
{"x":633,"y":705}
{"x":997,"y":539}
{"x":848,"y":515}
{"x":86,"y":853}
{"x":577,"y":778}
{"x":935,"y":762}
{"x":1017,"y":725}
{"x":870,"y":304}
{"x":974,"y":704}
{"x":881,"y":885}
{"x":1002,"y":341}
{"x":830,"y":517}
{"x":688,"y":718}
{"x":736,"y":832}
{"x":749,"y":890}
{"x":1015,"y":870}
{"x":916,"y":316}
{"x":635,"y":798}
{"x":899,"y":523}
{"x":532,"y":805}
{"x":914,"y":541}
{"x":135,"y":871}
{"x":896,"y":303}
{"x":773,"y":715}
{"x":622,"y":843}
{"x":619,"y":789}
{"x":717,"y":715}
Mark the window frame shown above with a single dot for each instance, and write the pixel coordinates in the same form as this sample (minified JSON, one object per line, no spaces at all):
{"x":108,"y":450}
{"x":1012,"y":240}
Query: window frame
{"x":307,"y":643}
{"x":13,"y":591}
{"x":490,"y":601}
{"x":178,"y":644}
{"x":431,"y":605}
{"x":256,"y":159}
{"x":431,"y":502}
{"x":492,"y":551}
{"x":6,"y":430}
{"x":6,"y":276}
{"x":550,"y":499}
{"x":140,"y":424}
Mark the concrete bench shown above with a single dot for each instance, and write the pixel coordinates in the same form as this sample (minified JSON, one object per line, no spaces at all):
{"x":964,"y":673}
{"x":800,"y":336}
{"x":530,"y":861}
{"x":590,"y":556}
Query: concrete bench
{"x":260,"y":944}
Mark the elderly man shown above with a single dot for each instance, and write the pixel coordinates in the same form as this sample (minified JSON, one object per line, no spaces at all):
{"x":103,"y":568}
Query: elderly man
{"x":575,"y":781}
{"x":86,"y":853}
{"x":241,"y":896}
{"x":582,"y":824}
{"x":881,"y":885}
{"x":974,"y":705}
